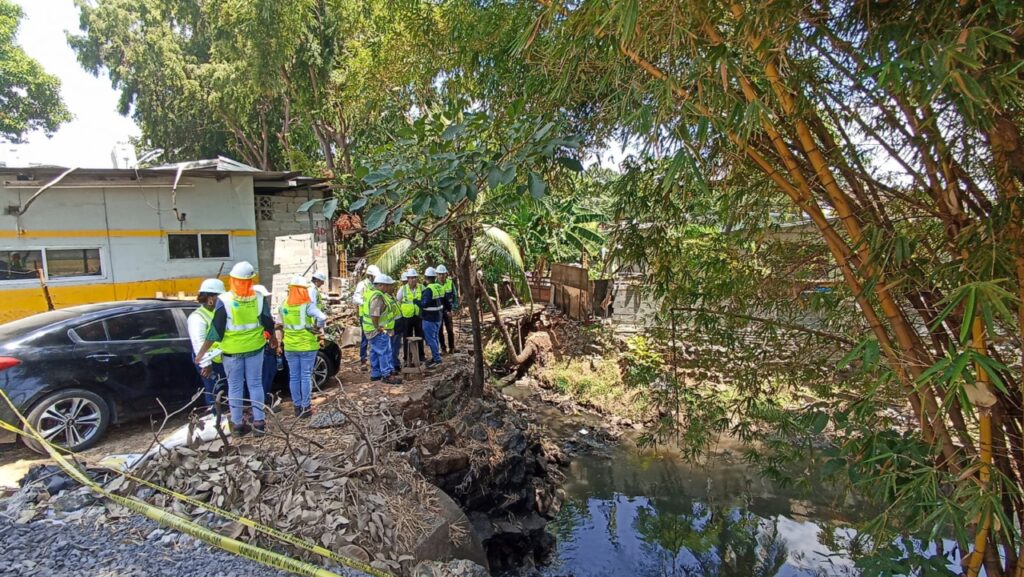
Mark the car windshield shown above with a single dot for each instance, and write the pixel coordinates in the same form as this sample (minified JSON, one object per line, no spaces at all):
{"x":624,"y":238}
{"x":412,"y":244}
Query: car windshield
{"x":22,"y":327}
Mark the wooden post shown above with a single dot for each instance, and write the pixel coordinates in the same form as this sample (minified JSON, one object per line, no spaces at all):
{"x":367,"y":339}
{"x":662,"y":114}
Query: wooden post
{"x":46,"y":289}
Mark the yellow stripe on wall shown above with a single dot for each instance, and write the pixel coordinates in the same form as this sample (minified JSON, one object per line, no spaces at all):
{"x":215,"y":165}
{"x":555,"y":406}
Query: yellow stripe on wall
{"x":101,"y":233}
{"x":22,"y":302}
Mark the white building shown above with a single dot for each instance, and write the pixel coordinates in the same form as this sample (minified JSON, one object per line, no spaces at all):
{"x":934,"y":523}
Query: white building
{"x":96,"y":235}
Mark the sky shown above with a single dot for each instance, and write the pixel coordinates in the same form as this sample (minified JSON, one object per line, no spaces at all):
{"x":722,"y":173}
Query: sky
{"x":89,"y":138}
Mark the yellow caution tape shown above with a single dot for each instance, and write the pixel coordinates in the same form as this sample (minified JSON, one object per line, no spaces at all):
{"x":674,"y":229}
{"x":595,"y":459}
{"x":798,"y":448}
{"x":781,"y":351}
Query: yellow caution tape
{"x":258,"y":554}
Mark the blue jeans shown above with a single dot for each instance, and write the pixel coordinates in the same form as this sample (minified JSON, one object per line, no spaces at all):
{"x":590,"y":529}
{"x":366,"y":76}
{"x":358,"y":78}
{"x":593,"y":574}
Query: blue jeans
{"x":362,"y":346}
{"x":396,"y":344}
{"x":300,"y":376}
{"x":212,"y":383}
{"x":430,"y":334}
{"x":245,"y":374}
{"x":380,"y":356}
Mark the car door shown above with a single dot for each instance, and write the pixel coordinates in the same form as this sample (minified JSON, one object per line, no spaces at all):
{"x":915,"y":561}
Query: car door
{"x":143,"y":357}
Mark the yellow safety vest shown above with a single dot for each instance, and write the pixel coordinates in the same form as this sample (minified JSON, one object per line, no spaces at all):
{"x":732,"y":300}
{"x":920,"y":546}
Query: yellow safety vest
{"x":207,"y":315}
{"x":410,"y":301}
{"x":243,"y":332}
{"x":391,"y":312}
{"x":364,"y":309}
{"x":298,"y":329}
{"x":436,"y":297}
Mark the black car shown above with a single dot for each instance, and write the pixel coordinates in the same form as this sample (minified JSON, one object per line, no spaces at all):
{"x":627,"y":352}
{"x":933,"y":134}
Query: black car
{"x":72,"y":372}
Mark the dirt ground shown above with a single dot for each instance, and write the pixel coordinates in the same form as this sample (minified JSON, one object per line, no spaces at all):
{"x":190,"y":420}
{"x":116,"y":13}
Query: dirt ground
{"x":138,"y":436}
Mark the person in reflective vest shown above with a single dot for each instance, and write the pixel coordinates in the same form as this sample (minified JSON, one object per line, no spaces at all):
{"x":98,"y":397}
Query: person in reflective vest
{"x":379,"y":325}
{"x":240,"y":321}
{"x":316,"y":282}
{"x":301,"y":321}
{"x":432,"y":309}
{"x":270,"y":356}
{"x":198,"y":324}
{"x":447,"y":326}
{"x":359,"y":299}
{"x":410,"y":325}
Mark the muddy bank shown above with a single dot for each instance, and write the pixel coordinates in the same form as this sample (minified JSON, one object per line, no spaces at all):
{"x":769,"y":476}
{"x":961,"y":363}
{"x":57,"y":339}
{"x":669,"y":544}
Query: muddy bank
{"x":491,"y":460}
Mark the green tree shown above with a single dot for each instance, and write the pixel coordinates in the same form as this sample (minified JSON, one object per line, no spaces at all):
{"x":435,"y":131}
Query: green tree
{"x":298,"y":85}
{"x":29,"y":97}
{"x":446,"y":165}
{"x":894,"y":130}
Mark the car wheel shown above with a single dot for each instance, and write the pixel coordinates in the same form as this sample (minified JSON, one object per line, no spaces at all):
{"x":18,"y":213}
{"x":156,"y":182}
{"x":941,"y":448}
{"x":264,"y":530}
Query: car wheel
{"x":74,"y":419}
{"x":322,"y":370}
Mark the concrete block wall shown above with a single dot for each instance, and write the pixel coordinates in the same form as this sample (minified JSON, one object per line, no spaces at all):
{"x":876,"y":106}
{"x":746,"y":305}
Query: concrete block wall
{"x":632,"y":308}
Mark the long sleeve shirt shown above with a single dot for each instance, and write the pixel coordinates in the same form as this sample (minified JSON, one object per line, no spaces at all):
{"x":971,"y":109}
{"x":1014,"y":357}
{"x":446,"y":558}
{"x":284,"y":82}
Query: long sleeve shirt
{"x":357,"y":294}
{"x":198,"y":328}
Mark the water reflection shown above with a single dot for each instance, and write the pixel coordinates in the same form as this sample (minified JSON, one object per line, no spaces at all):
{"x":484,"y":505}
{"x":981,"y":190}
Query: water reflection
{"x":631,"y":516}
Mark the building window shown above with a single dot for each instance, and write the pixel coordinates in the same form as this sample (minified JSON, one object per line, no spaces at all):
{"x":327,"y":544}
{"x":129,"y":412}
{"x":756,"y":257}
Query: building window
{"x":69,"y":262}
{"x":183,"y":246}
{"x":20,"y":264}
{"x":56,"y":263}
{"x":264,"y":208}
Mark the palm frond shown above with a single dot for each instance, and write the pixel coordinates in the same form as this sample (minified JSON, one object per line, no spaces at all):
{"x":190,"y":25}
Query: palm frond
{"x":497,"y":251}
{"x":389,"y":255}
{"x":505,"y":241}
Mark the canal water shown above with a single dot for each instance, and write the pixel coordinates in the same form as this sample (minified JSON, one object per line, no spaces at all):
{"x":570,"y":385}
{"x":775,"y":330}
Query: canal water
{"x":632,"y":512}
{"x":653,"y":515}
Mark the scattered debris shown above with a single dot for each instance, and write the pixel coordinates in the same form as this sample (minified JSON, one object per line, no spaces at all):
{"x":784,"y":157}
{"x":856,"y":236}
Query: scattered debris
{"x":327,"y":419}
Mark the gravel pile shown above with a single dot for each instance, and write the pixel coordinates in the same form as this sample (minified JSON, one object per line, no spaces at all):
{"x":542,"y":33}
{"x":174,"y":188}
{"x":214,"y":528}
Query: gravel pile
{"x":133,"y":547}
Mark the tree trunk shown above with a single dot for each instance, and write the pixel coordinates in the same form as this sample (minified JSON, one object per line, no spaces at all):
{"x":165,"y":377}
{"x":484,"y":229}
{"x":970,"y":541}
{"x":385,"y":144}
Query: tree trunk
{"x":463,"y":237}
{"x":510,"y":347}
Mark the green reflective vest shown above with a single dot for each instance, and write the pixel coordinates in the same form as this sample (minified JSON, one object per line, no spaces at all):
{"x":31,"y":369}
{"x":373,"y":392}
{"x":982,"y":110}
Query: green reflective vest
{"x":410,"y":301}
{"x":243,"y":332}
{"x":298,"y":329}
{"x":364,"y":309}
{"x":391,"y":312}
{"x":448,"y":286}
{"x":436,"y":296}
{"x":207,"y":315}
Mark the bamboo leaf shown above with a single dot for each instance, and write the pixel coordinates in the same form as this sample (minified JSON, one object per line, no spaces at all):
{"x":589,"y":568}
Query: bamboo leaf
{"x":570,"y":163}
{"x":969,"y":311}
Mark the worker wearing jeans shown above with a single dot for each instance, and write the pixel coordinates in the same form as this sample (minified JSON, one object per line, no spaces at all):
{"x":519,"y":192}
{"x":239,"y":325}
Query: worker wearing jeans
{"x":240,"y":321}
{"x":301,"y":320}
{"x":431,"y":309}
{"x":379,"y":324}
{"x":359,"y":295}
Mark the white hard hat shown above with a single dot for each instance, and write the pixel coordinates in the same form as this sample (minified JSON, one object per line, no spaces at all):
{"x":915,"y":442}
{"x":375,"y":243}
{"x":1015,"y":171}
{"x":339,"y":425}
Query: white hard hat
{"x":261,"y":290}
{"x":372,"y":270}
{"x":441,"y":269}
{"x":319,"y":276}
{"x":297,"y":280}
{"x":430,"y":271}
{"x":411,"y":273}
{"x":243,"y":271}
{"x":383,"y":279}
{"x":213,"y":286}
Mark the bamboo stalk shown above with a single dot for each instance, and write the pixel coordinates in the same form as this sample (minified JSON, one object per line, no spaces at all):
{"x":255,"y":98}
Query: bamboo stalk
{"x":985,"y":442}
